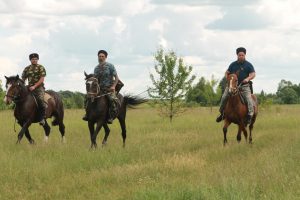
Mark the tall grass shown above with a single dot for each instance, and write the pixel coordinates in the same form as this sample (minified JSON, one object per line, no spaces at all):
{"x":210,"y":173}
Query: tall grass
{"x":182,"y":160}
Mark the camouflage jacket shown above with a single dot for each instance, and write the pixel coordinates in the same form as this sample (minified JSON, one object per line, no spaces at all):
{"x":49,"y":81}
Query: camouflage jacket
{"x":33,"y":73}
{"x":105,"y":73}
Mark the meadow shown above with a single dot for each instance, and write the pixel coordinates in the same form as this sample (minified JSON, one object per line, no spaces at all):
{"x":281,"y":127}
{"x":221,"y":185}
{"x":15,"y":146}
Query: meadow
{"x":185,"y":160}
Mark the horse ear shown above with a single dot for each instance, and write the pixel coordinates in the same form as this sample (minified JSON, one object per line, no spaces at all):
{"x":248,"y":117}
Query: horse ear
{"x":85,"y":74}
{"x":17,"y":77}
{"x":6,"y":77}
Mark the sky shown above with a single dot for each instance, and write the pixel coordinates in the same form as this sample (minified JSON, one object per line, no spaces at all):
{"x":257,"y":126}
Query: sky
{"x":67,"y":34}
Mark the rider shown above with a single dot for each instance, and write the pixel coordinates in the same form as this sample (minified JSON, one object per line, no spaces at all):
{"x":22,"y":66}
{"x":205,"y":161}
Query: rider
{"x":108,"y":78}
{"x":35,"y":73}
{"x":246,"y":73}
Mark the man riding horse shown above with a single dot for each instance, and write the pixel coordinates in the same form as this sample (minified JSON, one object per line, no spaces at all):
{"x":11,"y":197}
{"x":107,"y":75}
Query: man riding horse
{"x":108,"y":79}
{"x":245,"y":72}
{"x":35,"y":73}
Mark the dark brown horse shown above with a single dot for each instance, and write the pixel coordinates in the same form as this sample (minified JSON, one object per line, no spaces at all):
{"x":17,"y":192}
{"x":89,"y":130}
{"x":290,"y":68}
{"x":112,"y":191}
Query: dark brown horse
{"x":236,"y":112}
{"x":97,"y":110}
{"x":26,"y":110}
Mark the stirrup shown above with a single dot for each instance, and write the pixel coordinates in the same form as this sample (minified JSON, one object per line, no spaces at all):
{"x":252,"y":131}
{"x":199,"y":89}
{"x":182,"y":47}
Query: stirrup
{"x":42,"y":122}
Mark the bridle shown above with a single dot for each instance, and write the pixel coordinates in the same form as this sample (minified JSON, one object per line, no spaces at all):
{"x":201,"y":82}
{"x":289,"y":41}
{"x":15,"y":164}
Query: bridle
{"x":15,"y":98}
{"x":94,"y":80}
{"x":95,"y":95}
{"x":233,"y":91}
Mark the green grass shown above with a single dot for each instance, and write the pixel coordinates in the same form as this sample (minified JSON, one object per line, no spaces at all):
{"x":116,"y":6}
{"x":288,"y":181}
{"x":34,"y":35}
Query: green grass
{"x":178,"y":161}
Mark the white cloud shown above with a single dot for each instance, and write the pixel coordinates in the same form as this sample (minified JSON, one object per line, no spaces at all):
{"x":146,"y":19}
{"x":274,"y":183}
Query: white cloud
{"x":159,"y":25}
{"x":67,"y":35}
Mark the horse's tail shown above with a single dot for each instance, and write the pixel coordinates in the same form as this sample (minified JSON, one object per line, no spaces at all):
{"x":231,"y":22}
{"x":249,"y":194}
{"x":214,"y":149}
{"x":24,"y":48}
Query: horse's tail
{"x":59,"y":107}
{"x":132,"y":101}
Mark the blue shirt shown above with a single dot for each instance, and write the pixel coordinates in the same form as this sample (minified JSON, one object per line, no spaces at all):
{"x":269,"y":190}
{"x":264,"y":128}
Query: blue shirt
{"x":105,"y":72}
{"x":244,"y":69}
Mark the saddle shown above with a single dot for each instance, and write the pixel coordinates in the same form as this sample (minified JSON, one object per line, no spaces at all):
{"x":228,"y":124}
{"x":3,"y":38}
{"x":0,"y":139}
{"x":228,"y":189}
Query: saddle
{"x":47,"y":97}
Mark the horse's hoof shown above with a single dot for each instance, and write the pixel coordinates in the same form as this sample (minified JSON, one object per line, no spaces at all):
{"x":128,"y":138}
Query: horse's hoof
{"x":63,"y":140}
{"x":46,"y":139}
{"x":18,"y":141}
{"x":32,"y":142}
{"x":93,"y":146}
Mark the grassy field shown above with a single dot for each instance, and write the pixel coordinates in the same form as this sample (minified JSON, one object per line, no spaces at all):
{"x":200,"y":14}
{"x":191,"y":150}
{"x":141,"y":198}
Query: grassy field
{"x":185,"y":160}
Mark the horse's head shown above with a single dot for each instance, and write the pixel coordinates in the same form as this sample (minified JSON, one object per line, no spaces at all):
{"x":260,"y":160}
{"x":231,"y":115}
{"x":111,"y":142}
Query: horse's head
{"x":232,"y":81}
{"x":14,"y":87}
{"x":92,"y":85}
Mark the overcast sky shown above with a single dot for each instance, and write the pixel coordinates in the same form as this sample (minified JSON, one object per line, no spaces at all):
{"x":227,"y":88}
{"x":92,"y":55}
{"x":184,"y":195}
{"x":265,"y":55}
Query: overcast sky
{"x":68,"y":34}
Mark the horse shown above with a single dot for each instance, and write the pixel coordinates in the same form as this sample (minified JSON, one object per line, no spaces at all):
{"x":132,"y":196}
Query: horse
{"x":26,"y":110}
{"x":236,"y":111}
{"x":98,"y":107}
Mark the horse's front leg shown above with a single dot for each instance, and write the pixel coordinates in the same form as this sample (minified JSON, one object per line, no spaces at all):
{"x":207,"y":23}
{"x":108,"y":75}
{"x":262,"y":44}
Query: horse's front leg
{"x":92,"y":130}
{"x":244,"y":131}
{"x":28,"y":136}
{"x":107,"y":131}
{"x":226,"y":124}
{"x":94,"y":136}
{"x":23,"y":130}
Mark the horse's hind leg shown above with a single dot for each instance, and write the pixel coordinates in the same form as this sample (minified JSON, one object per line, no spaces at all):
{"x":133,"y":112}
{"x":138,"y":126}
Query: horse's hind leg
{"x":62,"y":131}
{"x":123,"y":127}
{"x":47,"y":131}
{"x":28,"y":136}
{"x":238,"y":137}
{"x":107,"y":131}
{"x":58,"y":120}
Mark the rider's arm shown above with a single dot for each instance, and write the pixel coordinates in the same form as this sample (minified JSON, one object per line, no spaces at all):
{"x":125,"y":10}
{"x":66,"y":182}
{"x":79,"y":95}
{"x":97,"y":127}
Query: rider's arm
{"x":116,"y":81}
{"x":37,"y":84}
{"x":250,"y":77}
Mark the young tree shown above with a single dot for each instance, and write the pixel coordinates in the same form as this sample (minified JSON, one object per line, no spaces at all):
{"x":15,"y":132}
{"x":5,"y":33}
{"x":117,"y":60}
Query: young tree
{"x":171,"y":82}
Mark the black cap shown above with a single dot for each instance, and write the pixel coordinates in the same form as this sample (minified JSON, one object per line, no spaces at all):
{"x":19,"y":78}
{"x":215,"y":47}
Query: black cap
{"x":33,"y":55}
{"x":102,"y":51}
{"x":240,"y":49}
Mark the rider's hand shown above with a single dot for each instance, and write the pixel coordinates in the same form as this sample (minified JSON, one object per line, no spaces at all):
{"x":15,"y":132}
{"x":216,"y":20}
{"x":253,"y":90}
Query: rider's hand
{"x":32,"y":88}
{"x":112,"y":89}
{"x":245,"y":80}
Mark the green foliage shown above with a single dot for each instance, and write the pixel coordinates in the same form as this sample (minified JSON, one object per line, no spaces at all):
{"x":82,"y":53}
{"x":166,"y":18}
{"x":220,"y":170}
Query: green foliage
{"x":72,"y":99}
{"x":2,"y":95}
{"x":288,"y":93}
{"x":1,"y":89}
{"x":205,"y":92}
{"x":172,"y":83}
